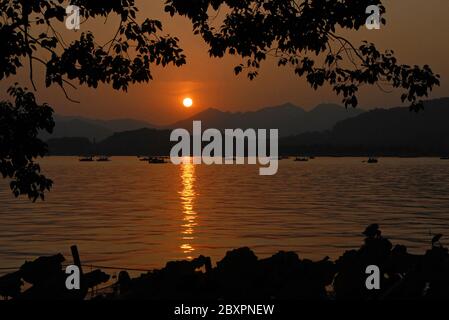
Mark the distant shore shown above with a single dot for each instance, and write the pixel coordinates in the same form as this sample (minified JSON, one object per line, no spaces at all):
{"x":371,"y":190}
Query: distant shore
{"x":282,"y":155}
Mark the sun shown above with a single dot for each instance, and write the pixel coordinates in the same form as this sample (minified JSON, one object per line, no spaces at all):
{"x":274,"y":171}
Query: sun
{"x":187,"y":102}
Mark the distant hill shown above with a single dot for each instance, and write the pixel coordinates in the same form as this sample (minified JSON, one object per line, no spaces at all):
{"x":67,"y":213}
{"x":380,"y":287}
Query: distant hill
{"x":137,"y":142}
{"x":288,"y":118}
{"x":396,"y":131}
{"x":69,"y":127}
{"x":70,"y":146}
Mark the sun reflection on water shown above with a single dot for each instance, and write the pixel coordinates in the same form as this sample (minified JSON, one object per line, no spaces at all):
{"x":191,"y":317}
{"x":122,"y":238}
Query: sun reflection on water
{"x":188,"y":196}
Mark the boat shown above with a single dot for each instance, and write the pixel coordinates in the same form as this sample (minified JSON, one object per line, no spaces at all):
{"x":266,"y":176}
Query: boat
{"x":103,"y":159}
{"x":372,"y":160}
{"x":86,"y":159}
{"x":301,"y":159}
{"x":156,"y":160}
{"x":444,"y":158}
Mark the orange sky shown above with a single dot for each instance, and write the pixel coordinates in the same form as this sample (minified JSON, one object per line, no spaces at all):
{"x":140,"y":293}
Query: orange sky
{"x":416,"y":30}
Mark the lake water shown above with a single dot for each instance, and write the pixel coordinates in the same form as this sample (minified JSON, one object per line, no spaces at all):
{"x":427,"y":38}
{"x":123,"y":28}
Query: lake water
{"x":129,"y":213}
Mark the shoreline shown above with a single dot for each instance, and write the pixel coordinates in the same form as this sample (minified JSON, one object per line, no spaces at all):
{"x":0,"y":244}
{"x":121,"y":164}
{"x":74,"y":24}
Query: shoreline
{"x":242,"y":275}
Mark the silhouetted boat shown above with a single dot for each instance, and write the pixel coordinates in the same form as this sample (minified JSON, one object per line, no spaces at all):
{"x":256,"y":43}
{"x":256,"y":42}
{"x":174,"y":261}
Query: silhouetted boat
{"x":156,"y":160}
{"x":86,"y":159}
{"x":141,"y":158}
{"x":444,"y":158}
{"x":372,"y":160}
{"x":301,"y":159}
{"x":103,"y":159}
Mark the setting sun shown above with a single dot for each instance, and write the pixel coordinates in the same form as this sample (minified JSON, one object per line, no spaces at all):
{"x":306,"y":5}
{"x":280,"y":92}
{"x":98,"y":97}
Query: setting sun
{"x":187,"y":102}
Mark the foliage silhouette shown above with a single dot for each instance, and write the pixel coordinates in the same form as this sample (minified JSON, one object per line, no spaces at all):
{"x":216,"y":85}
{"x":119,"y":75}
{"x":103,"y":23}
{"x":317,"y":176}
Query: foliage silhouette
{"x":19,"y":126}
{"x":292,"y":31}
{"x":124,"y":60}
{"x":297,"y":33}
{"x":84,"y":59}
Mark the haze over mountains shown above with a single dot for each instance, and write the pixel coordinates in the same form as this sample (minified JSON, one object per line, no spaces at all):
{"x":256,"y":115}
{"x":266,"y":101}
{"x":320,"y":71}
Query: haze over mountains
{"x":288,"y":118}
{"x":396,"y":132}
{"x":92,"y":129}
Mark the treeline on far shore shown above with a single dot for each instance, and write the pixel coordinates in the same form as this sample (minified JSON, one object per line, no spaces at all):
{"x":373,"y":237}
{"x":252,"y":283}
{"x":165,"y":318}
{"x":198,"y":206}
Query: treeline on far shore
{"x":83,"y":146}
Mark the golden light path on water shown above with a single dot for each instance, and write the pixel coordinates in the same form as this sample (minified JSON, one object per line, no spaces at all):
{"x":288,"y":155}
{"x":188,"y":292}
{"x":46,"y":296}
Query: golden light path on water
{"x":188,"y":196}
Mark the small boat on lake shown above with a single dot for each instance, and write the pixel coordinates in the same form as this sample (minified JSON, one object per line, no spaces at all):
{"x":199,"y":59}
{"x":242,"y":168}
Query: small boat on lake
{"x":301,"y":159}
{"x":444,"y":158}
{"x":86,"y":159}
{"x":103,"y":159}
{"x":156,"y":160}
{"x":372,"y":160}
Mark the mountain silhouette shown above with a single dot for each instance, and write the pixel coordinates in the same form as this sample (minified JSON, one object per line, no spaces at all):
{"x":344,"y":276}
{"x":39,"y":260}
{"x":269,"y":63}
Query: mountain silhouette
{"x":136,"y":142}
{"x":288,"y":118}
{"x":396,"y":131}
{"x":81,"y":127}
{"x":70,"y":146}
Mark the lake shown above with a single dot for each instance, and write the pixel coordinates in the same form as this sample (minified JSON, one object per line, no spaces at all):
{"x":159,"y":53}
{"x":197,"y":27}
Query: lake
{"x":130,"y":213}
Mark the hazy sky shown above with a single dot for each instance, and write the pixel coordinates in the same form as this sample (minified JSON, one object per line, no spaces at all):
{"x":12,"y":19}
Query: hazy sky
{"x":417,"y":30}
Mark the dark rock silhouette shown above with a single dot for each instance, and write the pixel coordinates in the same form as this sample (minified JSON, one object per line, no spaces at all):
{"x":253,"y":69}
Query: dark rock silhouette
{"x":41,"y":269}
{"x":47,"y":279}
{"x":242,"y":275}
{"x":10,"y":285}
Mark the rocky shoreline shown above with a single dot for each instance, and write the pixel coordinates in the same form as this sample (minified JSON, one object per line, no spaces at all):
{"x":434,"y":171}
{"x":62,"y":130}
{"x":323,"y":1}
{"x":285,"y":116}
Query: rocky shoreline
{"x":241,"y":275}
